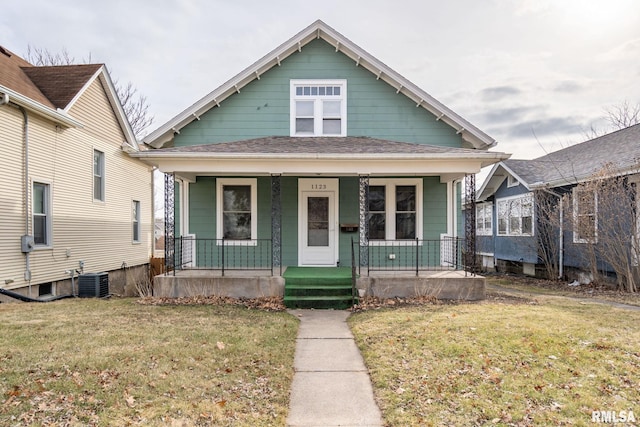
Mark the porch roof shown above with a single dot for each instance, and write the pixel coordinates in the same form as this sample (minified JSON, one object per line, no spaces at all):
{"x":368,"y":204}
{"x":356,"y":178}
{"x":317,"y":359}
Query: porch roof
{"x":320,"y":155}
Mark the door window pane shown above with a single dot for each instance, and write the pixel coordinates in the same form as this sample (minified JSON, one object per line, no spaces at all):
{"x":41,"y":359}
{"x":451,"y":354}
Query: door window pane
{"x":318,"y":221}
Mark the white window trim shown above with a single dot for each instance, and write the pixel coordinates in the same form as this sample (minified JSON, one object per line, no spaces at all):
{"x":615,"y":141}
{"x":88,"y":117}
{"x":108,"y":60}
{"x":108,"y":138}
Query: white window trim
{"x":318,"y":99}
{"x":104,"y":176}
{"x":576,"y":238}
{"x":49,"y":184}
{"x":390,"y":210}
{"x":221,"y":182}
{"x":512,"y":181}
{"x":136,"y":221}
{"x":533,"y":219}
{"x":482,"y":207}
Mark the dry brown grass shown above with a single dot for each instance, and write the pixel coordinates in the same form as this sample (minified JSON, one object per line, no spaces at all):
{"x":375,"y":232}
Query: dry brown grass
{"x":114,"y":362}
{"x":501,"y":363}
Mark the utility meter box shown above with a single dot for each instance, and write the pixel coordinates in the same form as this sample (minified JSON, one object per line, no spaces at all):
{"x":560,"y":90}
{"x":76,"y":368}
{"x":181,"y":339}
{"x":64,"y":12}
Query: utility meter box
{"x":27,"y":244}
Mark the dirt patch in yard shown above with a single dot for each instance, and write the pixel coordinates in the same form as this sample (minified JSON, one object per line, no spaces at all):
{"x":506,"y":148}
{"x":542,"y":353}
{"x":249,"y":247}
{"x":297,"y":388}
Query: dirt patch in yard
{"x":534,"y":285}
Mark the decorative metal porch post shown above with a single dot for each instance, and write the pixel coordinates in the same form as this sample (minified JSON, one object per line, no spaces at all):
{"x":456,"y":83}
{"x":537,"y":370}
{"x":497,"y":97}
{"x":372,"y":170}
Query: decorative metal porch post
{"x":470,"y":221}
{"x":169,"y":222}
{"x":276,"y":221}
{"x":364,"y":223}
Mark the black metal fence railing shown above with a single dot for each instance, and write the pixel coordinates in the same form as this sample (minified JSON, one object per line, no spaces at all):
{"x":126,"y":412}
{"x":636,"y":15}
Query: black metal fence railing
{"x":414,"y":255}
{"x":222,"y":254}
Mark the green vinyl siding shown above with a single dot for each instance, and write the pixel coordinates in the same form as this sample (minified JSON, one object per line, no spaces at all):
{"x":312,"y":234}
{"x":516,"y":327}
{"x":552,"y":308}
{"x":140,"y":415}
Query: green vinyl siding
{"x":202,"y":207}
{"x":373,"y":107}
{"x":202,"y":218}
{"x":349,"y":206}
{"x":434,"y":217}
{"x":435,"y":208}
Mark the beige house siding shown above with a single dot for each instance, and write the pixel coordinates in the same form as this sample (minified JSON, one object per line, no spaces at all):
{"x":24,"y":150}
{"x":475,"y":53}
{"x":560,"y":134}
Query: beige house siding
{"x":12,"y":214}
{"x":98,"y":233}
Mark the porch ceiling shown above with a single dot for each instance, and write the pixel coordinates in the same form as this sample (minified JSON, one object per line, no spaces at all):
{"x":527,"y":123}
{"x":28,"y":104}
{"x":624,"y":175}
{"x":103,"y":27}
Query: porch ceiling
{"x":320,"y":156}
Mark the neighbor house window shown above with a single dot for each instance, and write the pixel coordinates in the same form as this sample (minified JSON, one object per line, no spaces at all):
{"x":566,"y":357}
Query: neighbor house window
{"x":515,"y":216}
{"x":98,"y":175}
{"x":585,"y":211}
{"x":318,"y":107}
{"x":394,"y":209}
{"x":237,"y":209}
{"x":41,"y":214}
{"x":484,"y":219}
{"x":135,"y":214}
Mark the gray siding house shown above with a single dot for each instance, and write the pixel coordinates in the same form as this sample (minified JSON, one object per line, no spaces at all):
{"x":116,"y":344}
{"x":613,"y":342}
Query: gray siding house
{"x":513,"y":224}
{"x":315,"y":145}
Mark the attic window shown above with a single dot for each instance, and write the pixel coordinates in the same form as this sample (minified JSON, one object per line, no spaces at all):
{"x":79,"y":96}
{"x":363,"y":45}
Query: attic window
{"x":512,"y":182}
{"x":318,"y":107}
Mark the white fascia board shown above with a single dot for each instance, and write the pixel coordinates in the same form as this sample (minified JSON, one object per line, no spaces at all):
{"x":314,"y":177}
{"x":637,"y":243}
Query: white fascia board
{"x":515,"y":175}
{"x":312,"y":166}
{"x":319,"y":29}
{"x":114,"y":100}
{"x":58,"y":116}
{"x":480,"y":193}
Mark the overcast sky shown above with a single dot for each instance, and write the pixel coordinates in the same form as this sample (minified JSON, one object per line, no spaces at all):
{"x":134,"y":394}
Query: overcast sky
{"x":533,"y":74}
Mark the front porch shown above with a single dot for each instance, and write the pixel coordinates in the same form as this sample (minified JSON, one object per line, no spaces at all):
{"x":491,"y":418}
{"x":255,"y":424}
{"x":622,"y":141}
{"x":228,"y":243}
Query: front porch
{"x":442,"y":284}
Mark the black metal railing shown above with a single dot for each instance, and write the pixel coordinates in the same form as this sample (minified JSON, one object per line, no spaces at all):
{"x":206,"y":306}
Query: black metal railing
{"x":414,"y":255}
{"x":223,"y":254}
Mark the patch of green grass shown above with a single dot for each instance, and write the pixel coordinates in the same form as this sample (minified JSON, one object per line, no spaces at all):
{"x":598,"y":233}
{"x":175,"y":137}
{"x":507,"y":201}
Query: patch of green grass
{"x":498,"y":364}
{"x":114,"y":362}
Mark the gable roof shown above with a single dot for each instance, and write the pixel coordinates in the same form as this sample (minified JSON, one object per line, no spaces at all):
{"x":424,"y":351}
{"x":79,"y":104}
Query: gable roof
{"x":319,"y":30}
{"x":571,"y":165}
{"x":51,"y":91}
{"x":60,"y":84}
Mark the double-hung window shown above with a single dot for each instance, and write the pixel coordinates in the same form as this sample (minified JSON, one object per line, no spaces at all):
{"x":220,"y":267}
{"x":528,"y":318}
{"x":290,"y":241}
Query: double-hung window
{"x":585,"y":216}
{"x":318,"y":107}
{"x":41,"y":214}
{"x":98,"y":175}
{"x":395,"y":209}
{"x":484,"y":219}
{"x":237,"y":209}
{"x":515,"y":215}
{"x":135,"y":214}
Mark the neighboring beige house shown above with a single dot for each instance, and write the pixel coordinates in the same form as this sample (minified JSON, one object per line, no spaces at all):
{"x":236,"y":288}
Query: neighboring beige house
{"x":72,"y":198}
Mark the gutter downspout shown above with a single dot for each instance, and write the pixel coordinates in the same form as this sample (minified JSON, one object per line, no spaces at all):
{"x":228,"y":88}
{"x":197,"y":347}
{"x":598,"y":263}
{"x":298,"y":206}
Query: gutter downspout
{"x":27,"y":272}
{"x":5,"y":100}
{"x":561,"y":234}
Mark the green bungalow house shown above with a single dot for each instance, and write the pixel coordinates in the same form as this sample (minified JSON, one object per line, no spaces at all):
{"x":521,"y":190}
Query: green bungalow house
{"x":316,"y":158}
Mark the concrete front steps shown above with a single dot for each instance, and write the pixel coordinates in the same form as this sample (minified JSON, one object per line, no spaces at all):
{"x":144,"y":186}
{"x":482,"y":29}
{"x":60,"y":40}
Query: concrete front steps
{"x":318,"y":287}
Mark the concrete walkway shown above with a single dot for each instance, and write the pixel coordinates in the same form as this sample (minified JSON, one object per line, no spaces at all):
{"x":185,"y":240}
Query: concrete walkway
{"x":331,"y":386}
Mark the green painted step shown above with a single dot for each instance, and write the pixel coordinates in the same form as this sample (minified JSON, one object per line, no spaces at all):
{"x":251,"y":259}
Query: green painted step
{"x":317,"y":287}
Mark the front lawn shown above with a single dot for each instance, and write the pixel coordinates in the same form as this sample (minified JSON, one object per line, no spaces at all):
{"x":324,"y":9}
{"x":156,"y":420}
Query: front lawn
{"x":114,"y":362}
{"x":501,"y":363}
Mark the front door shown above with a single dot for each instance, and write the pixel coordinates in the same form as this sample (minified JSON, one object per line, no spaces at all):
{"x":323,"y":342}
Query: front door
{"x":318,"y":222}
